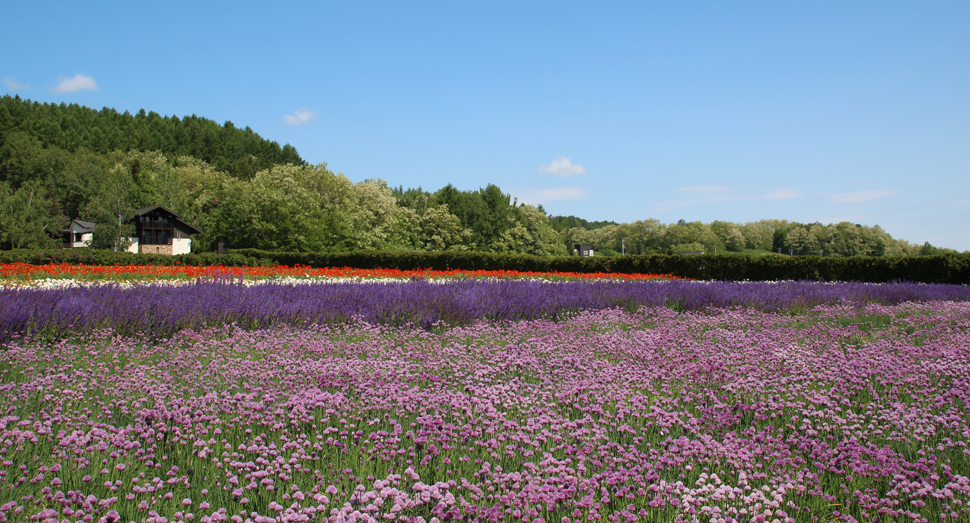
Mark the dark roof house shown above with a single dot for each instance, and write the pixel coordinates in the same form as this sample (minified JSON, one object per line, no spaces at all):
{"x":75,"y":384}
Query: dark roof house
{"x":159,"y":230}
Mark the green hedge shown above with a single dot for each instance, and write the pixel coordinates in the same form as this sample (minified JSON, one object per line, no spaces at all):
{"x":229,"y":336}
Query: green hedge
{"x":105,"y":257}
{"x":947,"y":268}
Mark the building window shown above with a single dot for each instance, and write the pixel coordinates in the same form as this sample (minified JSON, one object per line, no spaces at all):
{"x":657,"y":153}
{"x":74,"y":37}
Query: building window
{"x":156,"y":236}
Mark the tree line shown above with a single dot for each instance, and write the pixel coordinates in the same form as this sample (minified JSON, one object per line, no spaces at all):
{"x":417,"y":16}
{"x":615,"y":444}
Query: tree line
{"x":778,"y":236}
{"x":241,"y":153}
{"x":300,"y":208}
{"x":63,"y":162}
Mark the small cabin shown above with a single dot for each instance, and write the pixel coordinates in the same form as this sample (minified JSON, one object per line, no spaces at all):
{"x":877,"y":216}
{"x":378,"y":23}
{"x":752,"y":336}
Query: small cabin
{"x":583,"y":250}
{"x":160,"y":231}
{"x":78,"y":234}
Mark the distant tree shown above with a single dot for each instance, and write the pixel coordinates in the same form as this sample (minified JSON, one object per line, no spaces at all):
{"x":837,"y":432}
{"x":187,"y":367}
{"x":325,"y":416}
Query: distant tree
{"x":531,"y":233}
{"x":442,"y":231}
{"x":25,"y":217}
{"x":729,"y":234}
{"x":779,"y":240}
{"x":417,"y":200}
{"x":683,"y":233}
{"x":376,"y":220}
{"x":927,"y":249}
{"x":800,"y":240}
{"x":641,"y":237}
{"x":286,"y":208}
{"x":114,"y":198}
{"x":563,"y":223}
{"x":758,"y":236}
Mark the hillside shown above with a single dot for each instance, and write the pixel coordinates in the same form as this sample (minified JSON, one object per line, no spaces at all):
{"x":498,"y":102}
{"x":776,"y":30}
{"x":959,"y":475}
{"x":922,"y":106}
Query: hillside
{"x":238,"y":152}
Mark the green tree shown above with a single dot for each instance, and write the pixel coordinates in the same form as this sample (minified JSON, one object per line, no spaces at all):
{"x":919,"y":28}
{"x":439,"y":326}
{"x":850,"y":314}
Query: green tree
{"x":18,"y":154}
{"x":114,"y":197}
{"x":690,"y":233}
{"x":442,"y":231}
{"x":729,"y":235}
{"x":643,"y":236}
{"x":758,"y":235}
{"x":25,"y":220}
{"x":376,"y":221}
{"x":286,"y":208}
{"x":76,"y":185}
{"x":801,"y":241}
{"x":530,"y":233}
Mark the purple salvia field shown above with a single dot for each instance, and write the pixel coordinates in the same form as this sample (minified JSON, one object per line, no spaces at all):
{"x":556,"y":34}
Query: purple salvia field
{"x":839,"y":412}
{"x":163,"y":310}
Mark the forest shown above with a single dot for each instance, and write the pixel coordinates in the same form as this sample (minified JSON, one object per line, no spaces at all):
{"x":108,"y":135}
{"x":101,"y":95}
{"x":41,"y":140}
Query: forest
{"x":64,"y":162}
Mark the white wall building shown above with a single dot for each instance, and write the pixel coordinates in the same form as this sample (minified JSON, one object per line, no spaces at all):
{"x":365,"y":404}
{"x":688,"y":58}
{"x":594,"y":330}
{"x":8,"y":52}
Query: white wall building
{"x":78,"y":234}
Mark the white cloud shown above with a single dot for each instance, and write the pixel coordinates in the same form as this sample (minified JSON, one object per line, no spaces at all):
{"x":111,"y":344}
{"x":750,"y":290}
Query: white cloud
{"x":14,"y":85}
{"x":79,"y":82}
{"x":782,"y":194}
{"x":537,"y":196}
{"x":861,"y":196}
{"x":299,"y":117}
{"x":561,"y":166}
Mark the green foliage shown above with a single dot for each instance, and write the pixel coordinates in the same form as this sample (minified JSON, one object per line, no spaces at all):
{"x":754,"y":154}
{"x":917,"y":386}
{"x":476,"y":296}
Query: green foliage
{"x":564,"y":223}
{"x":288,"y":207}
{"x":929,"y":250}
{"x":24,"y":217}
{"x":950,"y":268}
{"x":239,"y":152}
{"x":111,"y":258}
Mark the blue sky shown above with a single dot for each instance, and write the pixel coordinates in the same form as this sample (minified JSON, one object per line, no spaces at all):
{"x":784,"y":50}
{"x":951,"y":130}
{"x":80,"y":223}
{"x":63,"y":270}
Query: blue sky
{"x":736,"y":111}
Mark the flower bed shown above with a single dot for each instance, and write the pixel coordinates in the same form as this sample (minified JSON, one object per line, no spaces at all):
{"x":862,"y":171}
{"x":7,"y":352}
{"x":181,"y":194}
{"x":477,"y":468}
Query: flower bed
{"x":456,"y":396}
{"x":163,"y":310}
{"x":22,"y":273}
{"x":843,"y":412}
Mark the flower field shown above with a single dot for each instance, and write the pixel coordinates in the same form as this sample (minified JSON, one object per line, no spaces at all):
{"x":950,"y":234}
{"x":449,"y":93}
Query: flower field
{"x":22,"y":273}
{"x":485,"y":400}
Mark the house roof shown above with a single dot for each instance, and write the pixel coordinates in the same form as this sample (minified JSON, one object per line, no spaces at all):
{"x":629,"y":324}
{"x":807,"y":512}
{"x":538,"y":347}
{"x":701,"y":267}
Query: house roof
{"x":148,"y":210}
{"x":87,"y":225}
{"x":82,"y":226}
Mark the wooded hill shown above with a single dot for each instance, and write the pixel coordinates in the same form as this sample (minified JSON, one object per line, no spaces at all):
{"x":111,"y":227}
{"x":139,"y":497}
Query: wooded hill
{"x":61,"y":162}
{"x":238,"y":152}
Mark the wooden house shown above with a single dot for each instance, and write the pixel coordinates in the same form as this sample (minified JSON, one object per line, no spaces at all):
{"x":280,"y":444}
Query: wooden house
{"x":78,"y":234}
{"x":583,"y":250}
{"x":160,"y":231}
